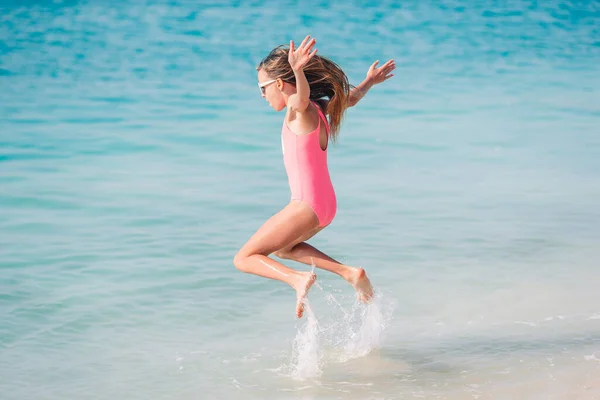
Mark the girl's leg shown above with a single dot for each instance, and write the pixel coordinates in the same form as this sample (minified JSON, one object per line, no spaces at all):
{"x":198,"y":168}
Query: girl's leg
{"x":285,"y":227}
{"x":303,"y":252}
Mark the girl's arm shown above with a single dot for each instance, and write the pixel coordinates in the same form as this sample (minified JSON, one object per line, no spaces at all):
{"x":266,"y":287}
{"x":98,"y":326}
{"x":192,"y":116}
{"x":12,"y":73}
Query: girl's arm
{"x":358,"y":92}
{"x":374,"y":76}
{"x":298,"y":59}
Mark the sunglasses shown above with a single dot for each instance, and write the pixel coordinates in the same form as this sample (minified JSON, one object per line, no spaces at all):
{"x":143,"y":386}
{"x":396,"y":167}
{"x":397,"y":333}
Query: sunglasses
{"x":263,"y":85}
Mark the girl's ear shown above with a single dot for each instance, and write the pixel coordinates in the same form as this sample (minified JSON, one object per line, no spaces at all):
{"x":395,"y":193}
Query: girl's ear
{"x":279,"y":84}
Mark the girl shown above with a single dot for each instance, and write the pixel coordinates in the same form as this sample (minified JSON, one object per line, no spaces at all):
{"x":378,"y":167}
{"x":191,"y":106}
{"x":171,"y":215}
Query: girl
{"x":310,"y":87}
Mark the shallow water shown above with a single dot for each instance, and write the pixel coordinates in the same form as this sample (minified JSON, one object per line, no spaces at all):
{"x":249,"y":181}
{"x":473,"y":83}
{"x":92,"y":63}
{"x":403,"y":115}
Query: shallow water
{"x":137,"y":156}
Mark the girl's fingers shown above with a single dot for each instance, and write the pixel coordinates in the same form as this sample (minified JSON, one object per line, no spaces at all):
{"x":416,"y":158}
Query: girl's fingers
{"x":291,"y":46}
{"x":388,"y":66}
{"x":312,"y":53}
{"x":304,"y":41}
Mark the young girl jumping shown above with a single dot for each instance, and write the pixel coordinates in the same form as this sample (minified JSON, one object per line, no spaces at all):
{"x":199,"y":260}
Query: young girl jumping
{"x":310,"y":87}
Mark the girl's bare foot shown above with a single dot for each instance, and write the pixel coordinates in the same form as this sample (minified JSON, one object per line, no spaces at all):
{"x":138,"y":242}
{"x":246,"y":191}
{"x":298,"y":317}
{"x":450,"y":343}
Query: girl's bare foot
{"x":305,"y":281}
{"x":361,"y":284}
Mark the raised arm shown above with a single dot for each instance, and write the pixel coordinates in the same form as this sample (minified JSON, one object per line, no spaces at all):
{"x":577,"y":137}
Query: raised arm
{"x":298,"y":59}
{"x":374,"y":76}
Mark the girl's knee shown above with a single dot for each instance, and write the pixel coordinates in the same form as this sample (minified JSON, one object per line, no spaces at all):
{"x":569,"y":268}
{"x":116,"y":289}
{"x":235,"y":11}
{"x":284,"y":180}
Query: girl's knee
{"x":240,"y":261}
{"x":242,"y":258}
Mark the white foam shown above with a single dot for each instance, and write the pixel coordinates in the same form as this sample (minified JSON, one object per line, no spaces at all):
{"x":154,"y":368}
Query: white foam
{"x":306,"y":350}
{"x":369,"y":334}
{"x":347,"y":335}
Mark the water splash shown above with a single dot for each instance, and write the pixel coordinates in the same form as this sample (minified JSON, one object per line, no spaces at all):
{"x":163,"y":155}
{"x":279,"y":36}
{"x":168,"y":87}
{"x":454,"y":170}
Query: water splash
{"x":273,"y":268}
{"x":306,"y":351}
{"x":343,"y":336}
{"x":372,"y":321}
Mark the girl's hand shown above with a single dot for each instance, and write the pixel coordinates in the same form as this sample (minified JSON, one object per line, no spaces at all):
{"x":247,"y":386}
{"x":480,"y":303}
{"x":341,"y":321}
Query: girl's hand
{"x":377,"y":75}
{"x":298,"y":58}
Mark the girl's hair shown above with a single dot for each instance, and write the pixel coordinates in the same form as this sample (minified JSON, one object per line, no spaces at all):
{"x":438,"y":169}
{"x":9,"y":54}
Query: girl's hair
{"x":325,"y":78}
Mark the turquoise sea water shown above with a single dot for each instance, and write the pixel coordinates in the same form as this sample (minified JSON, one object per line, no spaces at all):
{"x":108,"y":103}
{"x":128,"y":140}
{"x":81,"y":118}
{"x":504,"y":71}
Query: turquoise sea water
{"x":137,"y":156}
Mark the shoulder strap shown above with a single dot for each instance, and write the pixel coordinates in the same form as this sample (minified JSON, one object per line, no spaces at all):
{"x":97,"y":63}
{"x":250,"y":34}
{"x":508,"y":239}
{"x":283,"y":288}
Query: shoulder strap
{"x":321,"y":115}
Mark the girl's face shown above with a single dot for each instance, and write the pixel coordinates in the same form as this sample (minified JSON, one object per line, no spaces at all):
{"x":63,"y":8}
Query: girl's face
{"x":270,"y":89}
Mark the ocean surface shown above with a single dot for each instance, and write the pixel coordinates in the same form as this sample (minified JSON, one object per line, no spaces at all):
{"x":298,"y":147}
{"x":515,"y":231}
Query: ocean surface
{"x":137,"y":156}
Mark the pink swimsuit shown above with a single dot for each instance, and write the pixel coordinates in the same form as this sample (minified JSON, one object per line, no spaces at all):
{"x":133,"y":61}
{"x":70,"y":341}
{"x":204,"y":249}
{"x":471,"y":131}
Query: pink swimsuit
{"x":306,"y":167}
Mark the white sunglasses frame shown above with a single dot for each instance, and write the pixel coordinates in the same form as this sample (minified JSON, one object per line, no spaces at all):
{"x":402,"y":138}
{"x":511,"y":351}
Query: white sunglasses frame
{"x":262,"y":85}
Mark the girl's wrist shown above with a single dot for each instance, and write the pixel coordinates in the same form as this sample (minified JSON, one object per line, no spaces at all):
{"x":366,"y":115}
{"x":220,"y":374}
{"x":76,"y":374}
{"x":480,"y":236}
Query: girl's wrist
{"x":364,"y":86}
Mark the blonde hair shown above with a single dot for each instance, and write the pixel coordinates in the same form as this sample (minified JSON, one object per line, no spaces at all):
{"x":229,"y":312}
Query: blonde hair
{"x":325,"y":78}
